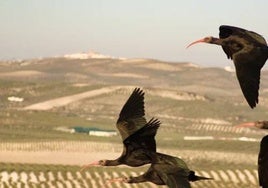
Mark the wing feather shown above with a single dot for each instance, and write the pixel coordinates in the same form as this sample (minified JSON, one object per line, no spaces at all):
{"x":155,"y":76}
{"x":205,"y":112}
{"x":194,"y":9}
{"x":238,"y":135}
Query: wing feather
{"x":249,"y":80}
{"x":178,"y":179}
{"x":134,"y":107}
{"x":226,"y":31}
{"x":249,"y":52}
{"x":131,"y":117}
{"x":145,"y":137}
{"x":241,"y":37}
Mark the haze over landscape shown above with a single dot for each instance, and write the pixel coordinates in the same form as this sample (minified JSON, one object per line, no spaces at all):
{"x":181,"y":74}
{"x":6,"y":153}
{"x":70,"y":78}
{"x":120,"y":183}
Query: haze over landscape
{"x":68,"y":67}
{"x":130,"y":29}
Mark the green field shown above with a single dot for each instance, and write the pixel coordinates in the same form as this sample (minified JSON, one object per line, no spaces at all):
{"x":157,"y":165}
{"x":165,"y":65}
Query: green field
{"x":189,"y":101}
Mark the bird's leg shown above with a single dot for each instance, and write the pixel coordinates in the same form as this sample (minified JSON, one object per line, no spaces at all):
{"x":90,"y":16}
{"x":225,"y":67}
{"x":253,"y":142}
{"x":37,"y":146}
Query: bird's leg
{"x":120,"y":179}
{"x":96,"y":163}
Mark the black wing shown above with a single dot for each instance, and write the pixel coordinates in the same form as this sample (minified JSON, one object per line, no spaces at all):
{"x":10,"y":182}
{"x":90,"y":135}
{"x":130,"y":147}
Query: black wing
{"x":249,"y":80}
{"x":249,"y":53}
{"x":242,"y":38}
{"x":227,"y":31}
{"x":263,"y":163}
{"x":144,"y":138}
{"x":131,"y":117}
{"x":134,"y":107}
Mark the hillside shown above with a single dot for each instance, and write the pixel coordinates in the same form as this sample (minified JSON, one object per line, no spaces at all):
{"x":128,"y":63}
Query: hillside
{"x":192,"y":87}
{"x":197,"y":106}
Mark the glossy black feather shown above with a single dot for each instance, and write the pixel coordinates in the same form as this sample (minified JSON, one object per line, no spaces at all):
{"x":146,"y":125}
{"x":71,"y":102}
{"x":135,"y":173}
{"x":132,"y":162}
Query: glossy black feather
{"x":249,"y":80}
{"x":145,"y":137}
{"x":138,"y":144}
{"x":137,"y":134}
{"x":249,"y":52}
{"x":166,"y":170}
{"x":170,"y":176}
{"x":134,"y":107}
{"x":131,"y":117}
{"x":263,"y":163}
{"x":227,"y":31}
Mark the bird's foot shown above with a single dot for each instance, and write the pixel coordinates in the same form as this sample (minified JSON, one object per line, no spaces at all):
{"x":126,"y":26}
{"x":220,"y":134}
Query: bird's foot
{"x":84,"y":167}
{"x":120,"y":179}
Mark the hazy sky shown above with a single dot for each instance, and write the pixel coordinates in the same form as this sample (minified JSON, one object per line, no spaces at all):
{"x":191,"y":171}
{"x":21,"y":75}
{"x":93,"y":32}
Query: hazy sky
{"x":124,"y":28}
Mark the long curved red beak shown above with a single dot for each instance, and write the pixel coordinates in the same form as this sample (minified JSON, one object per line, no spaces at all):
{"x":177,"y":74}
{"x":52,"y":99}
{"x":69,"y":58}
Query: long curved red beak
{"x":96,"y":163}
{"x":195,"y":42}
{"x":249,"y":124}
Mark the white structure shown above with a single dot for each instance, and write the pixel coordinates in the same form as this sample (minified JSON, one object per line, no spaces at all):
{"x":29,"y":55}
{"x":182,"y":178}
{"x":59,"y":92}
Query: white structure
{"x":15,"y":99}
{"x":90,"y":54}
{"x":102,"y":133}
{"x":229,"y":69}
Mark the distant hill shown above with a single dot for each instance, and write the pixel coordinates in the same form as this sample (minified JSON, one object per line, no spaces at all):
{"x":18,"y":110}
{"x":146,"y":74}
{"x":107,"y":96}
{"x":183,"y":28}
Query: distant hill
{"x":199,"y":91}
{"x":197,"y":106}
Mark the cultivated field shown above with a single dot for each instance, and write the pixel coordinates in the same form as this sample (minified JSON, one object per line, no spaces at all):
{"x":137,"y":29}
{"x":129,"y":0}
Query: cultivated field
{"x":21,"y":175}
{"x":238,"y":172}
{"x":198,"y":108}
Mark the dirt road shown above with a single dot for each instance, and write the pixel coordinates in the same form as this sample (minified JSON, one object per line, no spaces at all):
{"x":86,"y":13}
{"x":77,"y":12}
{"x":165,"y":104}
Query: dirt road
{"x":62,"y":101}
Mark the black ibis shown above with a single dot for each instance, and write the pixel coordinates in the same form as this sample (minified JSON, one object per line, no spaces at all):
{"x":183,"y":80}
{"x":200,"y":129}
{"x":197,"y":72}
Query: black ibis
{"x":263,"y":154}
{"x":249,"y":52}
{"x":131,"y":119}
{"x":165,"y":170}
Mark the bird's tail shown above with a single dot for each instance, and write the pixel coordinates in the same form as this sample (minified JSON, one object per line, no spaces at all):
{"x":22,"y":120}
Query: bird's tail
{"x":193,"y":177}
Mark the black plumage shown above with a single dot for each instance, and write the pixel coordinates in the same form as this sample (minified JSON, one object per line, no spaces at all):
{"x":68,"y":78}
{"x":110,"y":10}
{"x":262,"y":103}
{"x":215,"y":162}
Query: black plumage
{"x":263,"y":163}
{"x":164,"y":169}
{"x":249,"y":52}
{"x":131,"y":119}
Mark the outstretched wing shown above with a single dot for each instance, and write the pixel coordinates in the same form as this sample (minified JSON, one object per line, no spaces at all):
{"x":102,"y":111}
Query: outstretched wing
{"x":131,"y":117}
{"x":249,"y":52}
{"x":144,"y":138}
{"x":249,"y":80}
{"x":226,"y":31}
{"x":263,"y":163}
{"x":242,"y":38}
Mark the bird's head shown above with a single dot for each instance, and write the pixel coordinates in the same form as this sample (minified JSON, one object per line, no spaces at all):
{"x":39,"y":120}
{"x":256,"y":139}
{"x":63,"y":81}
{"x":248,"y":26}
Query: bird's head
{"x":261,"y":124}
{"x":102,"y":162}
{"x":209,"y":39}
